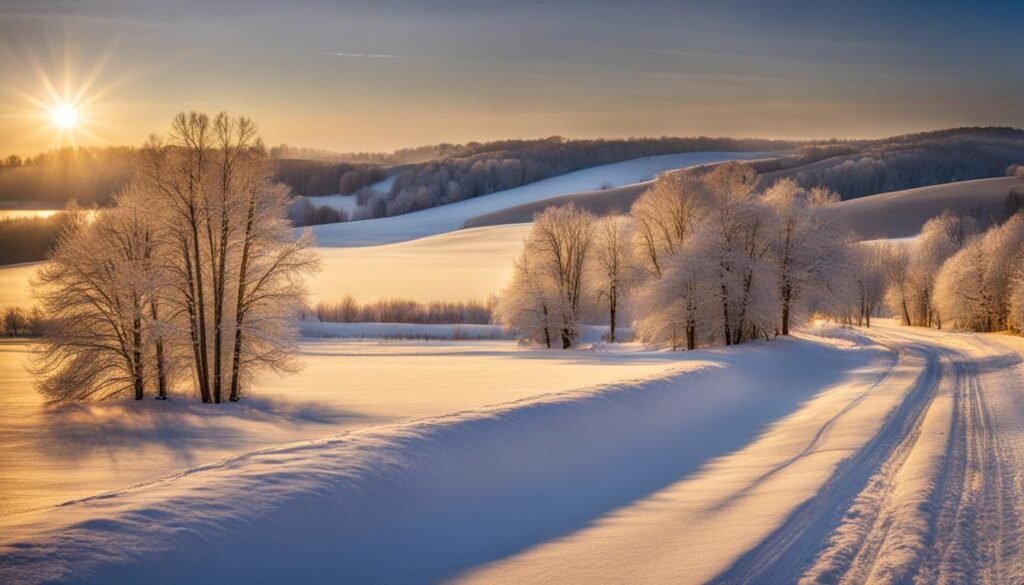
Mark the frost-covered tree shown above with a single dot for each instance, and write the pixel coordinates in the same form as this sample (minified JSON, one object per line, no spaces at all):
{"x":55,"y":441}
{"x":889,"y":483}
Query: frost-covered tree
{"x":673,"y":310}
{"x":806,"y":247}
{"x":612,"y":265}
{"x":870,"y":269}
{"x":974,"y":289}
{"x":97,"y":293}
{"x":195,"y":268}
{"x":665,"y":216}
{"x":736,"y":237}
{"x":550,"y":275}
{"x":560,"y":242}
{"x":529,"y":304}
{"x":940,"y":238}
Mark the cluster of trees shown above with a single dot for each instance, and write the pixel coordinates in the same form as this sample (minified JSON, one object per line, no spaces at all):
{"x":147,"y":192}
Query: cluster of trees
{"x":702,"y":258}
{"x":349,"y":310}
{"x":918,"y":161}
{"x":17,"y":322}
{"x":958,"y":273}
{"x":191,"y":280}
{"x":303,"y":212}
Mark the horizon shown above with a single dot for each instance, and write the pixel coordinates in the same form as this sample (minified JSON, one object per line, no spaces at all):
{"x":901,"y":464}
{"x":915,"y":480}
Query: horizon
{"x":376,"y":77}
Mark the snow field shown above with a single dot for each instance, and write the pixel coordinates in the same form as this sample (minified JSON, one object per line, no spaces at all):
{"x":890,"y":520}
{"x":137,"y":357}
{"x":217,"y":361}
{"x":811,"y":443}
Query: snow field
{"x":447,"y":493}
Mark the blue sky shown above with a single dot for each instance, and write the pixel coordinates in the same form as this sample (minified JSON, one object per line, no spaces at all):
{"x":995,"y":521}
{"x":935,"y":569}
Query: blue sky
{"x":384,"y":74}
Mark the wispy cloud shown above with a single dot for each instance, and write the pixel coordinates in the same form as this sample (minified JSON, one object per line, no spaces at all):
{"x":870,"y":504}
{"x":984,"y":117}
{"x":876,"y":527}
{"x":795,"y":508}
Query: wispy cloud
{"x":364,"y":55}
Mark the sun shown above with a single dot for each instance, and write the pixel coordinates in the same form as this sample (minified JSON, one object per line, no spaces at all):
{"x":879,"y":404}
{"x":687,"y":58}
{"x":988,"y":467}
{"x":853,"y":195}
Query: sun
{"x":64,"y":116}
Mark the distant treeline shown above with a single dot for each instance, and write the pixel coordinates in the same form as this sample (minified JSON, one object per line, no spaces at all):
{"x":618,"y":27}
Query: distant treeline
{"x":348,"y":310}
{"x":433,"y":175}
{"x":29,"y":239}
{"x":506,"y":164}
{"x":49,"y":180}
{"x":17,"y":322}
{"x":906,"y":162}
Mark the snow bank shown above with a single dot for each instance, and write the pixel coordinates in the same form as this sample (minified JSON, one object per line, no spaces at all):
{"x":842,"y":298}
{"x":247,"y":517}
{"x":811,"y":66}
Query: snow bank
{"x":429,"y":499}
{"x":451,"y":217}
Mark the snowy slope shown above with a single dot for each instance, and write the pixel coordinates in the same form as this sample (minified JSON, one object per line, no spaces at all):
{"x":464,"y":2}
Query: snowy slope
{"x":347,"y":203}
{"x":899,"y":214}
{"x":433,"y":498}
{"x":451,"y":217}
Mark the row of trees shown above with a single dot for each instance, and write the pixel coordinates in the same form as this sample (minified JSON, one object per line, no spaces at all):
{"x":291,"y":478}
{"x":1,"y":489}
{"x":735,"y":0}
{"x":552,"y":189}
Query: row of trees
{"x":17,"y":322}
{"x":349,"y":310}
{"x":191,"y":281}
{"x":701,"y":258}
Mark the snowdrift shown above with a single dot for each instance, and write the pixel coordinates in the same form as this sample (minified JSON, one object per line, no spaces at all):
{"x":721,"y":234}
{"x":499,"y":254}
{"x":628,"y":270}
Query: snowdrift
{"x":429,"y":499}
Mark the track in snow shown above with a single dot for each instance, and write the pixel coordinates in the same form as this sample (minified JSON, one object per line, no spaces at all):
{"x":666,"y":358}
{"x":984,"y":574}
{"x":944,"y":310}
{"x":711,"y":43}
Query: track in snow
{"x":936,"y":497}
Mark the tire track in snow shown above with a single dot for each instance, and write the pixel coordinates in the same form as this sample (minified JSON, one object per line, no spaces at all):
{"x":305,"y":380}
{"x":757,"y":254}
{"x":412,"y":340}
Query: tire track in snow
{"x":949,"y":512}
{"x":784,"y":554}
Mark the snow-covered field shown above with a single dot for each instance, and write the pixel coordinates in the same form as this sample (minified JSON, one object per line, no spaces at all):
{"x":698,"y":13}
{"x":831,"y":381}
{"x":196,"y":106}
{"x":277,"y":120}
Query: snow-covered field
{"x":345,"y":384}
{"x":882,"y":458}
{"x":890,"y":455}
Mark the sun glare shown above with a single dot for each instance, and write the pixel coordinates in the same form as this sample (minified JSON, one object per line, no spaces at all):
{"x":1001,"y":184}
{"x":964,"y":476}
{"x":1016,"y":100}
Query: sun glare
{"x":64,"y":116}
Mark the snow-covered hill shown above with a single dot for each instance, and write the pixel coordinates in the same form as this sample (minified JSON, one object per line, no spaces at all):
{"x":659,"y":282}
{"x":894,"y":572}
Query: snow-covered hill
{"x":451,"y":217}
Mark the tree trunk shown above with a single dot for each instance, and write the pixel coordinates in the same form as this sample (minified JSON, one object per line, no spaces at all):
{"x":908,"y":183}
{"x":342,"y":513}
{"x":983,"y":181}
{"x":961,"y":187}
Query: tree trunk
{"x":161,"y":368}
{"x":137,"y":380}
{"x":236,"y":351}
{"x":611,"y":315}
{"x":203,"y":365}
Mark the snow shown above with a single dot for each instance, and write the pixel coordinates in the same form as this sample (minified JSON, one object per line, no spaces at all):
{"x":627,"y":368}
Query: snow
{"x":447,"y":218}
{"x":890,"y":455}
{"x":14,"y":284}
{"x":532,"y":471}
{"x":899,"y":214}
{"x":462,"y":265}
{"x":344,"y":384}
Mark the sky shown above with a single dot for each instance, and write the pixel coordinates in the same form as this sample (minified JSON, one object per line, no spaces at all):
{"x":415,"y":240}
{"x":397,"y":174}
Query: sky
{"x":385,"y":74}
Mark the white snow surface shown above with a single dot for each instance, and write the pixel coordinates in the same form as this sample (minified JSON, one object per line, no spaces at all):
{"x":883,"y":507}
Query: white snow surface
{"x":446,"y":218}
{"x":886,"y":456}
{"x":433,"y":498}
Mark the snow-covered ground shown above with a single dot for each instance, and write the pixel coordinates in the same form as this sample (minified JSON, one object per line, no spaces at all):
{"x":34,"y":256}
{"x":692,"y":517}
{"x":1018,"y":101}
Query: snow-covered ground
{"x":887,"y":456}
{"x":446,"y":218}
{"x":344,"y":385}
{"x":462,"y":265}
